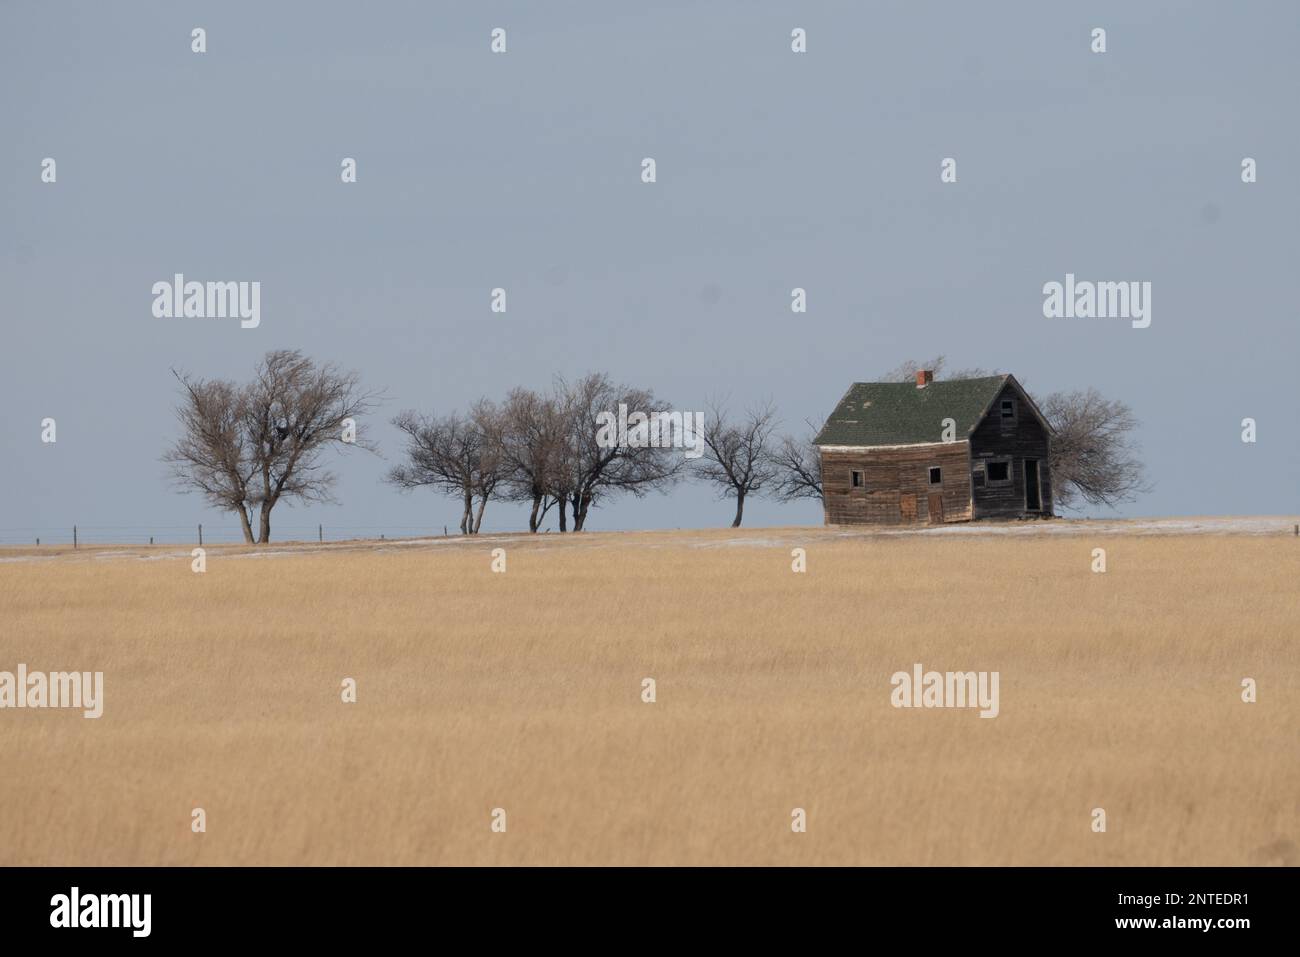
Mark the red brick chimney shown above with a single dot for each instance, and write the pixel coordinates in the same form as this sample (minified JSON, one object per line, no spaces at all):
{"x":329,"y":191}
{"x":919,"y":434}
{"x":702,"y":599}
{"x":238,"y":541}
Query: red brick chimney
{"x":924,"y":377}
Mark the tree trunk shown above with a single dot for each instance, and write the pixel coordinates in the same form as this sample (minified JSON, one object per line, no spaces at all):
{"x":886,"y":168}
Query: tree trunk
{"x":246,"y":526}
{"x":564,"y":513}
{"x":532,"y":516}
{"x":580,"y":505}
{"x":740,"y":510}
{"x":478,"y":518}
{"x":264,"y":524}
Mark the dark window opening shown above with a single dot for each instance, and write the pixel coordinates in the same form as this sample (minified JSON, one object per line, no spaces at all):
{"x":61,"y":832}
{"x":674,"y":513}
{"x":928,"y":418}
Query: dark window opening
{"x":857,"y":480}
{"x":999,"y":471}
{"x":936,"y":475}
{"x":1008,"y":408}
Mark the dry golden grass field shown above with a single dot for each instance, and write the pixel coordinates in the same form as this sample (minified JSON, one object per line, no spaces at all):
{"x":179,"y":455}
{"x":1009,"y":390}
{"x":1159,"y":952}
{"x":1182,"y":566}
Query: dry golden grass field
{"x":479,"y":690}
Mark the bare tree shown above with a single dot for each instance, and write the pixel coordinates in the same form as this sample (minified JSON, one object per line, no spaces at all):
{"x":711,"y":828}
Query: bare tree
{"x":529,"y":431}
{"x":213,"y":454}
{"x":1093,"y":456}
{"x":799,"y":467}
{"x":485,"y":416}
{"x":590,"y":470}
{"x":455,"y":454}
{"x":250,"y":447}
{"x":738,"y":457}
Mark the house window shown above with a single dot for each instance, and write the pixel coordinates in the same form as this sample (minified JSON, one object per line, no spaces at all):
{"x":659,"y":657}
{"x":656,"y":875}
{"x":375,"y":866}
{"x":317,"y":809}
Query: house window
{"x":1008,"y":408}
{"x":936,"y":475}
{"x":999,"y":472}
{"x":857,"y":479}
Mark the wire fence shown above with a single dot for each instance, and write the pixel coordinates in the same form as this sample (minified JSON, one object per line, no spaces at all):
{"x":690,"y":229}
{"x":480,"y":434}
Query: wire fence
{"x":204,"y":534}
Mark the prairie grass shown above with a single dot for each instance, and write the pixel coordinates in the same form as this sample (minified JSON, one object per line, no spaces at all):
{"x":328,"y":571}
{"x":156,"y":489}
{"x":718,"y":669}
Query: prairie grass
{"x":522,"y":691}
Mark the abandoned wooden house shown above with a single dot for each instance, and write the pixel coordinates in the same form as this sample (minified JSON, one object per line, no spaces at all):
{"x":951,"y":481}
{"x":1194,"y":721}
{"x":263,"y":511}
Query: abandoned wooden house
{"x":949,"y":451}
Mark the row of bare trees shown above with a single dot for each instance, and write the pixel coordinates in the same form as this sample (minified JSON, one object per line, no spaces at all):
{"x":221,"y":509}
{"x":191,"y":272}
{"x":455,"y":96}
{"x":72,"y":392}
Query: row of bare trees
{"x":539,"y":448}
{"x":247,"y":447}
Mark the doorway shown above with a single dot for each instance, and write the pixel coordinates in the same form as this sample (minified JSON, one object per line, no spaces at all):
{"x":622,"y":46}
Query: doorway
{"x":1033,"y":491}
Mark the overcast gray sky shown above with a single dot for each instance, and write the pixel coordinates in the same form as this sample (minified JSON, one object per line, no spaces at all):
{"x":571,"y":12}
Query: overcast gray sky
{"x":522,"y":170}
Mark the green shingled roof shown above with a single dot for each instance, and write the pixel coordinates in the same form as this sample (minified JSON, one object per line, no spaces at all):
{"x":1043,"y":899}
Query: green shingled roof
{"x":898,"y":413}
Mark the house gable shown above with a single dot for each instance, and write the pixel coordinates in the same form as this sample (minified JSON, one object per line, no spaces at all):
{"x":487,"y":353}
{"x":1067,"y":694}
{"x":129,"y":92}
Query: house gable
{"x":1024,"y":398}
{"x":1007,"y":446}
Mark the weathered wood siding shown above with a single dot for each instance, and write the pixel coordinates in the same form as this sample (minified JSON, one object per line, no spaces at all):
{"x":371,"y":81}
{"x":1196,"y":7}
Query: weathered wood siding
{"x":889,"y":477}
{"x":995,"y":439}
